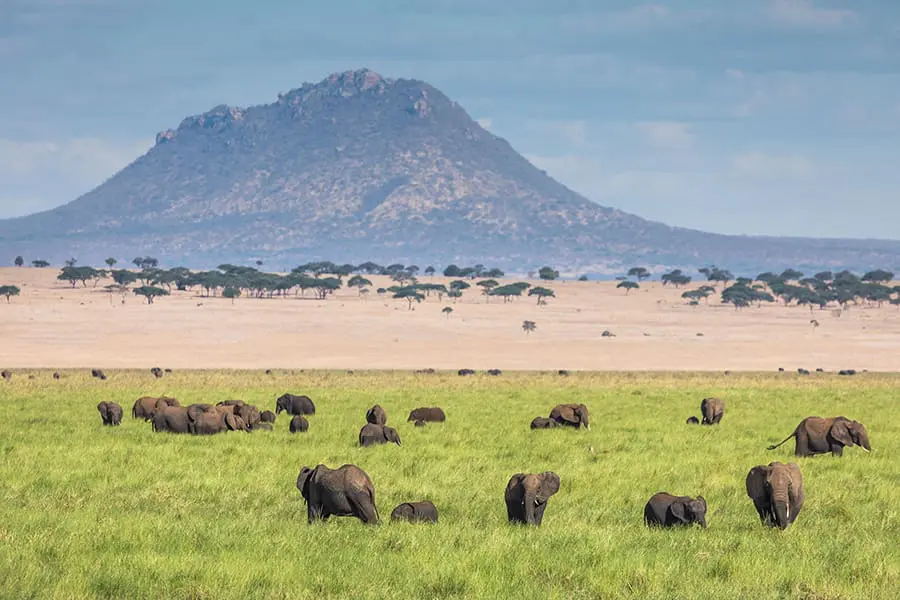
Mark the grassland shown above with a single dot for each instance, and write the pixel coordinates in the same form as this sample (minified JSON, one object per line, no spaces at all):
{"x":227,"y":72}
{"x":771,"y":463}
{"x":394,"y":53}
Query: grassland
{"x":93,"y":512}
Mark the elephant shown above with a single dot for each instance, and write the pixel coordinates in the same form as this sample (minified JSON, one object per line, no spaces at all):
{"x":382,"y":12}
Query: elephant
{"x":777,"y":493}
{"x":563,"y":373}
{"x":692,"y":421}
{"x":343,"y":492}
{"x":433,"y":413}
{"x":172,"y":419}
{"x":372,"y":434}
{"x":376,"y":415}
{"x":267,"y":416}
{"x":249,"y":413}
{"x":712,"y":410}
{"x":262,"y":426}
{"x":494,"y":372}
{"x":573,"y":415}
{"x":299,"y":424}
{"x":465,"y":372}
{"x":231,"y":403}
{"x":196,"y":411}
{"x":147,"y":406}
{"x":56,"y":375}
{"x":157,"y":372}
{"x":6,"y":374}
{"x":415,"y":512}
{"x":110,"y":412}
{"x":419,"y":423}
{"x":428,"y":371}
{"x":665,"y":510}
{"x":98,"y":374}
{"x":543,"y":423}
{"x":295,"y":405}
{"x":527,"y":496}
{"x":211,"y":422}
{"x":815,"y":435}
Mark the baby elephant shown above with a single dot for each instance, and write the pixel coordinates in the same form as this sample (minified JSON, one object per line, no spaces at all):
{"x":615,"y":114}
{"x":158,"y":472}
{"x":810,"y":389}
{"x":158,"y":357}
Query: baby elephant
{"x":692,"y":421}
{"x":376,"y":415}
{"x":372,"y":434}
{"x":415,"y":512}
{"x":712,"y":410}
{"x":526,"y":496}
{"x":543,"y":423}
{"x":665,"y":510}
{"x":299,"y":424}
{"x":110,"y":412}
{"x":267,"y":416}
{"x":432,"y":414}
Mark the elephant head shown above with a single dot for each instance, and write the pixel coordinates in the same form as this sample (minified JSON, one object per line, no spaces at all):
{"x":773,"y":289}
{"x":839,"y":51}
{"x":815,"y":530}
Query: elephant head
{"x":690,"y":511}
{"x":303,"y":481}
{"x":195,"y":411}
{"x":777,"y":492}
{"x":850,"y":433}
{"x":581,"y":412}
{"x":692,"y":421}
{"x":538,"y":491}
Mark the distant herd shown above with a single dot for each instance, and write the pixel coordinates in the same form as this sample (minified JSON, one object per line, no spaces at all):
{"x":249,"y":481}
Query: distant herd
{"x":776,"y":489}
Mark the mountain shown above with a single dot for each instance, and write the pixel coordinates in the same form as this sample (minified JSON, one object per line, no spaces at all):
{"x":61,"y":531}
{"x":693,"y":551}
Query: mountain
{"x":359,"y":167}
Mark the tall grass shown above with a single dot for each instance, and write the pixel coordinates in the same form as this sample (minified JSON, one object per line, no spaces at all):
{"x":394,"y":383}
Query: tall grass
{"x":94,"y":512}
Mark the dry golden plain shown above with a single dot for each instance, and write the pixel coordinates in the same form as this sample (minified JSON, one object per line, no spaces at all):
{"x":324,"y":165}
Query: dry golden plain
{"x":52,"y":325}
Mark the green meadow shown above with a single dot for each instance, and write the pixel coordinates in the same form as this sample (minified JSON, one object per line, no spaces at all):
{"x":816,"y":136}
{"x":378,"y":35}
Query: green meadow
{"x":88,"y":511}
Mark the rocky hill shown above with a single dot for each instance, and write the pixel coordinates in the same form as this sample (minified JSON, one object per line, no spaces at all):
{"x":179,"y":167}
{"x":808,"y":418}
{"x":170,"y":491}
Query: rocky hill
{"x":359,"y":167}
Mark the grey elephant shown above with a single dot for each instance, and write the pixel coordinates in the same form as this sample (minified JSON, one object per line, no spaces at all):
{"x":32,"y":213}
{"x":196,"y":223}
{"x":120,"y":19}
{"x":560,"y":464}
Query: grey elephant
{"x":299,"y":424}
{"x":372,"y":434}
{"x":267,"y":416}
{"x":665,"y":510}
{"x":295,"y":405}
{"x":712,"y":410}
{"x":249,"y":413}
{"x":6,"y":374}
{"x":431,"y":414}
{"x":376,"y":415}
{"x":415,"y":512}
{"x":543,"y":423}
{"x":343,"y":492}
{"x":172,"y":419}
{"x":571,"y":415}
{"x":110,"y":412}
{"x":692,"y":421}
{"x":815,"y":435}
{"x":211,"y":422}
{"x":527,"y":495}
{"x":777,"y":493}
{"x":147,"y":406}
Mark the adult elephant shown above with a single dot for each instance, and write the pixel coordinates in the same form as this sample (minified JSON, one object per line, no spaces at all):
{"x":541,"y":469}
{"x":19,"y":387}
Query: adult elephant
{"x":147,"y":406}
{"x":211,"y":422}
{"x":172,"y":419}
{"x":571,"y":415}
{"x":526,"y":496}
{"x":815,"y":435}
{"x":376,"y":415}
{"x":415,"y":512}
{"x":299,"y":424}
{"x":543,"y":423}
{"x":665,"y":510}
{"x":428,"y":414}
{"x":372,"y":434}
{"x":295,"y":405}
{"x":777,"y":493}
{"x":712,"y":410}
{"x":249,"y":413}
{"x":343,"y":492}
{"x":110,"y":412}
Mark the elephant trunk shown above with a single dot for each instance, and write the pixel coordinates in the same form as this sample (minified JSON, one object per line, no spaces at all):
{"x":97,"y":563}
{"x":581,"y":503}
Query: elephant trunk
{"x":702,"y":521}
{"x":864,"y":441}
{"x":530,"y":499}
{"x":782,"y":512}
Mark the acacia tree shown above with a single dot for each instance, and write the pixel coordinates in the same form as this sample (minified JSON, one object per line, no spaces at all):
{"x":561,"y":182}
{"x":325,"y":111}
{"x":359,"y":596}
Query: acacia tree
{"x":639,"y":272}
{"x":19,"y":261}
{"x":447,"y":310}
{"x":40,"y":264}
{"x":429,"y":270}
{"x":410,"y":294}
{"x":628,"y":286}
{"x":486,"y":286}
{"x":111,"y":262}
{"x":359,"y":282}
{"x":528,"y":326}
{"x":150,"y":292}
{"x":231,"y":293}
{"x":542,"y":294}
{"x":548,"y":273}
{"x":9,"y":291}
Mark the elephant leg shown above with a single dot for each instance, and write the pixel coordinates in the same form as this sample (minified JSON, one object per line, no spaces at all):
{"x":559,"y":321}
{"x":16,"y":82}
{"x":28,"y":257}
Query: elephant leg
{"x":539,"y":512}
{"x":314,"y":512}
{"x":802,"y":447}
{"x":837,"y":449}
{"x":762,"y":508}
{"x":512,"y":513}
{"x":364,"y":508}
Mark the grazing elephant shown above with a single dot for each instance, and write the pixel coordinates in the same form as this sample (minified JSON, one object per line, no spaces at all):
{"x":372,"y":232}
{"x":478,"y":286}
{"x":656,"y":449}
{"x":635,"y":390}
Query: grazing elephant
{"x":415,"y":512}
{"x":428,"y":371}
{"x":157,"y":372}
{"x":343,"y":492}
{"x":147,"y":406}
{"x":172,"y":419}
{"x":527,"y":496}
{"x":543,"y":423}
{"x":494,"y":372}
{"x":249,"y":413}
{"x":211,"y":422}
{"x":465,"y":372}
{"x":110,"y":412}
{"x":419,"y":423}
{"x":168,"y":370}
{"x":692,"y":421}
{"x":376,"y":415}
{"x":665,"y":510}
{"x":573,"y":415}
{"x":816,"y":435}
{"x":56,"y":375}
{"x":5,"y":374}
{"x":299,"y":424}
{"x":777,"y":493}
{"x":267,"y":416}
{"x":295,"y":405}
{"x":433,"y":414}
{"x":712,"y":410}
{"x":372,"y":434}
{"x":563,"y":373}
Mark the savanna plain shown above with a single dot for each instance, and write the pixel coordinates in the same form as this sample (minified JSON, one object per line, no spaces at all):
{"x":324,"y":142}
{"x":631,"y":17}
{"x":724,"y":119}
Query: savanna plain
{"x":88,"y":511}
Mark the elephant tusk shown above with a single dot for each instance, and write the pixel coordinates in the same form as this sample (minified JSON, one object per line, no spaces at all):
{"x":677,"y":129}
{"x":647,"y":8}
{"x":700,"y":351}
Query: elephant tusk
{"x":864,"y":450}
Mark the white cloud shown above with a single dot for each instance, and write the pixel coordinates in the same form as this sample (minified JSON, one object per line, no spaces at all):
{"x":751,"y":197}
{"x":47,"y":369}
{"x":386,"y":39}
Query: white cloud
{"x":668,"y":135}
{"x":485,"y":122}
{"x":804,"y":13}
{"x":760,"y":165}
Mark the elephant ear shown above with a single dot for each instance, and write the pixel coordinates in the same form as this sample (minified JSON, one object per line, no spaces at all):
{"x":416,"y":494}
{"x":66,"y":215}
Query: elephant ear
{"x":756,"y":482}
{"x":231,"y":422}
{"x":679,"y":512}
{"x":841,"y":433}
{"x":549,"y":484}
{"x":303,"y":481}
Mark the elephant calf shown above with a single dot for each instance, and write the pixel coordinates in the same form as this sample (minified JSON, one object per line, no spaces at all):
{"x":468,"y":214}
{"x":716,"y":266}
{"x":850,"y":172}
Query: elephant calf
{"x":5,"y":374}
{"x":299,"y":424}
{"x":376,"y":415}
{"x":432,"y":414}
{"x":267,"y":416}
{"x":712,"y":410}
{"x":777,"y":493}
{"x":526,"y":496}
{"x":543,"y":423}
{"x":815,"y":435}
{"x":110,"y":412}
{"x":415,"y":512}
{"x":692,"y":421}
{"x":571,"y":415}
{"x":372,"y":434}
{"x":665,"y":510}
{"x":343,"y":492}
{"x":98,"y":374}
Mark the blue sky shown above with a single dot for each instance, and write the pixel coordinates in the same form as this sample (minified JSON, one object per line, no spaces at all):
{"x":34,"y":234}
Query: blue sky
{"x":748,"y":116}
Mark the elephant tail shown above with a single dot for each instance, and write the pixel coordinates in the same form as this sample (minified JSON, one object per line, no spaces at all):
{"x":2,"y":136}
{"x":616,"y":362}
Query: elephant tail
{"x":773,"y":446}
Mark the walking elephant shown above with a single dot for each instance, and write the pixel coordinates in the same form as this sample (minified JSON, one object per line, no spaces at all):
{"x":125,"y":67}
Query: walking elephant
{"x":299,"y":424}
{"x":571,"y":415}
{"x":543,"y":423}
{"x":815,"y":435}
{"x":147,"y":406}
{"x":376,"y":415}
{"x":712,"y":410}
{"x":665,"y":510}
{"x":428,"y":414}
{"x":372,"y":434}
{"x":527,"y":496}
{"x":211,"y":422}
{"x":415,"y":512}
{"x":343,"y":492}
{"x":110,"y":412}
{"x":777,"y":493}
{"x":295,"y":405}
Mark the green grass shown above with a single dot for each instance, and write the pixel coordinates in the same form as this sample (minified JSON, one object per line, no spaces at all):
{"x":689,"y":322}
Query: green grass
{"x":93,"y":512}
